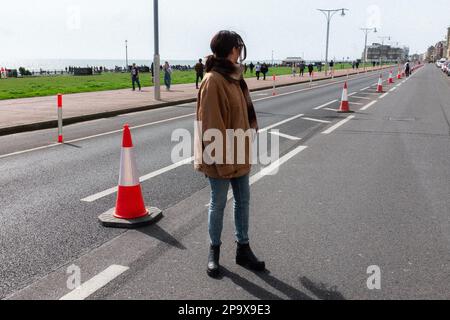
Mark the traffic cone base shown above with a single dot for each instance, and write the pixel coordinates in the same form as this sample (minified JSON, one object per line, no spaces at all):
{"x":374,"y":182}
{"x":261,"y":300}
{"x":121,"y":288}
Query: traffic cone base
{"x":108,"y":219}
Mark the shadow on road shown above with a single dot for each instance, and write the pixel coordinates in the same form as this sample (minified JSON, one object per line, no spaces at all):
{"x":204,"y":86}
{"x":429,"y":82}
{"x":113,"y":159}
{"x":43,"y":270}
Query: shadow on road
{"x":321,"y":290}
{"x":72,"y":145}
{"x":261,"y":293}
{"x":157,"y":232}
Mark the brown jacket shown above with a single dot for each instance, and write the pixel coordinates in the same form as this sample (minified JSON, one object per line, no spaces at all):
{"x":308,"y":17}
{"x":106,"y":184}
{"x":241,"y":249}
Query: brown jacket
{"x":221,"y":105}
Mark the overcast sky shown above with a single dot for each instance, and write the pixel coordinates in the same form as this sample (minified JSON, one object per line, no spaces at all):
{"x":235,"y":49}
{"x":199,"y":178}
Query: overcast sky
{"x":97,"y":29}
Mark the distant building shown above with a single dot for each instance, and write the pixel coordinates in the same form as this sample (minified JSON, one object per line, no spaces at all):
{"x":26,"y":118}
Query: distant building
{"x":291,"y":60}
{"x":386,"y":53}
{"x":440,"y":50}
{"x":431,"y":54}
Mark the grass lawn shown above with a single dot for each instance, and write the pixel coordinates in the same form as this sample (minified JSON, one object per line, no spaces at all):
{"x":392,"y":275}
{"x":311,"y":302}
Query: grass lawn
{"x":27,"y":87}
{"x":13,"y":88}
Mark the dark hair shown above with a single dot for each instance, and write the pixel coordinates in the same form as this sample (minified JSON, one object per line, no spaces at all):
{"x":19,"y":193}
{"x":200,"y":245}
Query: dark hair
{"x":222,"y":44}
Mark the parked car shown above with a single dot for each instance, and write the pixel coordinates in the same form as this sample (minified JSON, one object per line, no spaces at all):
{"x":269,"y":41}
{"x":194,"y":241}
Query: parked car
{"x":440,"y":62}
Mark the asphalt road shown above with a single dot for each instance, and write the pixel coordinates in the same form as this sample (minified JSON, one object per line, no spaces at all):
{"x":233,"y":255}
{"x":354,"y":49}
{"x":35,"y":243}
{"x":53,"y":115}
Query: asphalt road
{"x":375,"y":191}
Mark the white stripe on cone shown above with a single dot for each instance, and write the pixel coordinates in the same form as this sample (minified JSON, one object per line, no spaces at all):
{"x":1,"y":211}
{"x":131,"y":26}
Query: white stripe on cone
{"x":129,"y":176}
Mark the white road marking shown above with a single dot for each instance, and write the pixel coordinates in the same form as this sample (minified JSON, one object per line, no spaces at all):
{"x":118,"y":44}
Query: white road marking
{"x":95,"y":136}
{"x":384,"y":95}
{"x":29,"y":150}
{"x":356,"y":103}
{"x":95,"y":283}
{"x":281,"y":122}
{"x":285,"y":136}
{"x":274,"y":166}
{"x":393,"y":89}
{"x":141,"y":179}
{"x":368,"y":105}
{"x":352,"y":94}
{"x":330,"y":109}
{"x":364,"y":89}
{"x":339,"y":124}
{"x":364,"y":98}
{"x":316,"y":120}
{"x":132,"y":128}
{"x":324,"y":105}
{"x":113,"y":190}
{"x":367,"y":93}
{"x":269,"y":170}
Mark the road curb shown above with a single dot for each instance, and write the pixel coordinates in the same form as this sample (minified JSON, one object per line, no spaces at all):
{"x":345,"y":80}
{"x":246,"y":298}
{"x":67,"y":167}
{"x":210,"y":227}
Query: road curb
{"x":51,"y":124}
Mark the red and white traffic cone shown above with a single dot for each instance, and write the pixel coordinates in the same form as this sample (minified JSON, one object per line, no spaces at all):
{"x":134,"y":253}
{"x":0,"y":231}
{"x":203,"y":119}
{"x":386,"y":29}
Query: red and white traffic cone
{"x":345,"y":106}
{"x":380,"y":84}
{"x":130,"y":210}
{"x":399,"y":75}
{"x":391,"y":78}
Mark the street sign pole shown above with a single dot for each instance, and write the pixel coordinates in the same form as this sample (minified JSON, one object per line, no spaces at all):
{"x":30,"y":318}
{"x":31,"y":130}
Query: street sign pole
{"x":156,"y":57}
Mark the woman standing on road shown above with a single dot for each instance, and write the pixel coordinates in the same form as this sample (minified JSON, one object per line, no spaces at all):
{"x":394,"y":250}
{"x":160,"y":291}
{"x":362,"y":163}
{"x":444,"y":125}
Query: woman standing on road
{"x":224,"y":103}
{"x":167,"y":75}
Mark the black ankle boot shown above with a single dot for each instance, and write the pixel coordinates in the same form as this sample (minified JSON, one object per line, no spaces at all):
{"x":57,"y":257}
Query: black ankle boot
{"x":213,"y":261}
{"x":246,"y":258}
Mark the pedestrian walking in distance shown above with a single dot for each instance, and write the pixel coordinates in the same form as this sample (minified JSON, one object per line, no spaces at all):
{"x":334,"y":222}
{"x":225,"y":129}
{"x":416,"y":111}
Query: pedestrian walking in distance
{"x":199,"y":70}
{"x":310,"y":69}
{"x":258,"y":70}
{"x":294,"y":70}
{"x":264,"y":70}
{"x":135,"y":77}
{"x":252,"y":66}
{"x":167,"y":75}
{"x":302,"y":68}
{"x":224,"y":103}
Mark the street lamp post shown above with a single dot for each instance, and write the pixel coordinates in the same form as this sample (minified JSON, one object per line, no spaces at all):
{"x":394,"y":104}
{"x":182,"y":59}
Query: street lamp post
{"x":328,"y":15}
{"x":156,"y":58}
{"x":126,"y":54}
{"x":366,"y":31}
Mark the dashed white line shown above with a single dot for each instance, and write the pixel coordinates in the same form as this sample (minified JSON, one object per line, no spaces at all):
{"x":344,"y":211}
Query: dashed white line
{"x":330,"y":109}
{"x":364,"y":98}
{"x":156,"y":173}
{"x":95,"y":283}
{"x":393,"y":89}
{"x":281,"y":122}
{"x":356,"y":103}
{"x":337,"y":125}
{"x":384,"y":95}
{"x":316,"y":120}
{"x":324,"y":105}
{"x":96,"y":136}
{"x":285,"y":136}
{"x":364,"y":89}
{"x":141,"y":179}
{"x":368,"y":105}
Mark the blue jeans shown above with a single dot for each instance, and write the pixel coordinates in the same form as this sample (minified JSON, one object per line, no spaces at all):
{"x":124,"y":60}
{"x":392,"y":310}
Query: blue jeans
{"x":219,"y":193}
{"x":167,"y":80}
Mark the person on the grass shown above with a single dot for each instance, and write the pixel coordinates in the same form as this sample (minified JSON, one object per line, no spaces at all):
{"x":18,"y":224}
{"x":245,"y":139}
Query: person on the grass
{"x":135,"y":77}
{"x":167,"y":75}
{"x":224,"y":104}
